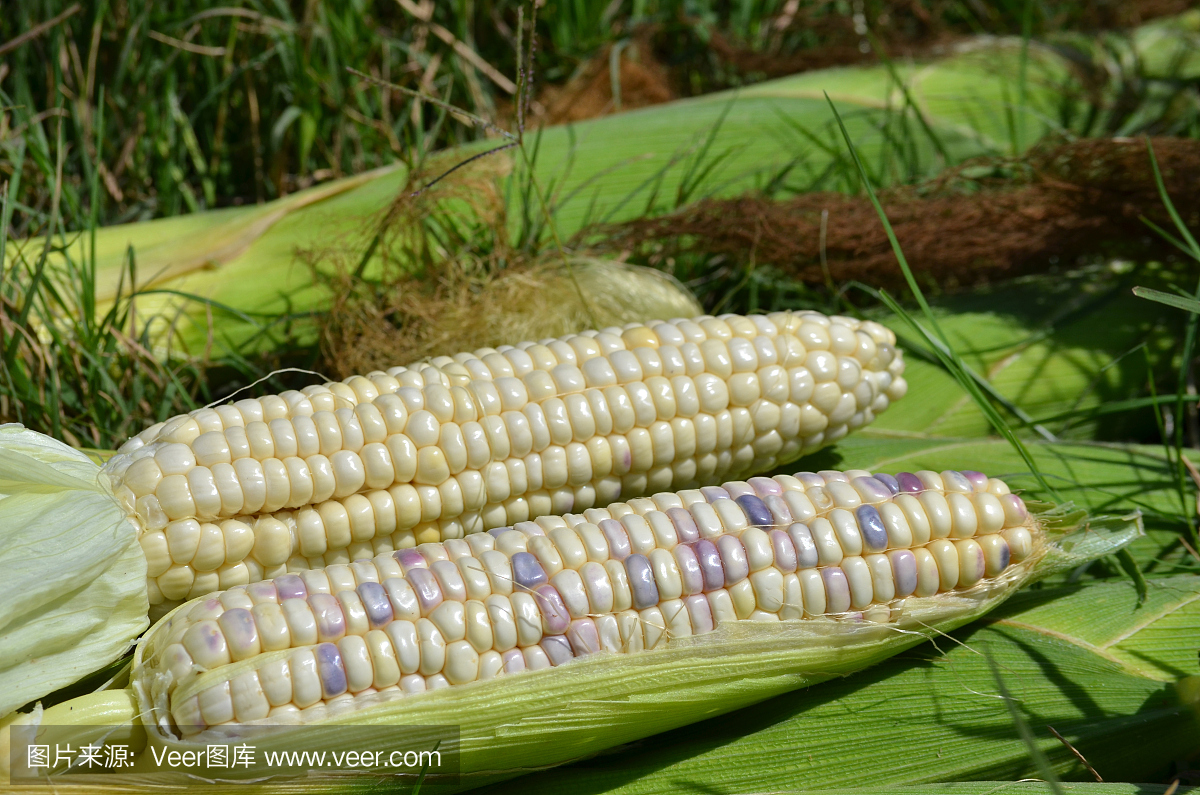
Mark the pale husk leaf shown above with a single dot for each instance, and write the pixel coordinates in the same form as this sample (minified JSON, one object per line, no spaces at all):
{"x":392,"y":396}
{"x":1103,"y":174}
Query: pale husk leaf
{"x":73,"y":574}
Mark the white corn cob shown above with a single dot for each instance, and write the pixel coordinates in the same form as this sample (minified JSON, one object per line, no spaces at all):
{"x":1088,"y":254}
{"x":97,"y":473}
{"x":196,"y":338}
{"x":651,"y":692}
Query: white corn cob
{"x":346,"y":471}
{"x":847,"y":545}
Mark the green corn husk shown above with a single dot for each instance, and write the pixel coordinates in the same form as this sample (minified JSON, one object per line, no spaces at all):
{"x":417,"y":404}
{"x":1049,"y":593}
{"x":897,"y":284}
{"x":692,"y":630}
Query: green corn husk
{"x":73,"y":573}
{"x":515,"y":724}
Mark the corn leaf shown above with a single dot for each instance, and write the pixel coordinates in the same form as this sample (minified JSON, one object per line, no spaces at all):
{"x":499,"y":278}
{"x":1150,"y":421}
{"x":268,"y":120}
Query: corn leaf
{"x":1064,"y":349}
{"x":73,"y":574}
{"x":961,"y":98}
{"x":993,"y":788}
{"x":1086,"y":661}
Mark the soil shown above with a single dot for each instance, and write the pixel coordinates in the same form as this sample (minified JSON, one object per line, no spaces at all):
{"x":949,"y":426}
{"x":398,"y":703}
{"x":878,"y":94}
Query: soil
{"x":641,"y":81}
{"x":1057,"y":205}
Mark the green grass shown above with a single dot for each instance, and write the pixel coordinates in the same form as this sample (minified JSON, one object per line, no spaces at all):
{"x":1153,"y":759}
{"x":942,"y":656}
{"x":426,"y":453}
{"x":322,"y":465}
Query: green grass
{"x":215,"y":104}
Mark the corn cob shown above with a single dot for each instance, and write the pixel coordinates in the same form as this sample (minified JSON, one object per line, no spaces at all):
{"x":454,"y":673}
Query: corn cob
{"x":346,"y":471}
{"x":629,"y":578}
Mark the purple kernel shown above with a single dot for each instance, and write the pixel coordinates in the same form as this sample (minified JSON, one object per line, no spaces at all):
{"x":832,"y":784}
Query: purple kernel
{"x":956,"y":482}
{"x":527,"y":571}
{"x":871,"y":490}
{"x":290,"y":586}
{"x":887,"y":480}
{"x":553,"y":609}
{"x":410,"y":559}
{"x":806,"y":548}
{"x":239,"y":628}
{"x":557,"y":648}
{"x":837,"y":590}
{"x":262,"y":591}
{"x":810,"y":479}
{"x":330,"y":670}
{"x":689,"y":569}
{"x":765,"y":487}
{"x":1014,"y":504}
{"x":514,"y":661}
{"x":641,"y":581}
{"x":685,"y":525}
{"x":870,"y":525}
{"x":714,"y":493}
{"x":331,"y":622}
{"x":756,"y":511}
{"x":618,"y":539}
{"x":425,"y":585}
{"x":1005,"y":558}
{"x":375,"y":600}
{"x":978,"y":479}
{"x":710,"y":564}
{"x":785,"y":551}
{"x":909,"y":483}
{"x":904,"y":572}
{"x":213,"y":637}
{"x":584,"y":637}
{"x":495,"y":533}
{"x":733,"y":559}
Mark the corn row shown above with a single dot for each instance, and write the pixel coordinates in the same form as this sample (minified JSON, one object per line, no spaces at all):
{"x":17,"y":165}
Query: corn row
{"x":851,"y":545}
{"x":348,"y":471}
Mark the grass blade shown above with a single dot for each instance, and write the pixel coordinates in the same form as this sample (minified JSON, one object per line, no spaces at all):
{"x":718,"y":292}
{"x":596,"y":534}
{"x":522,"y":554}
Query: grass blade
{"x":1178,"y":301}
{"x":950,"y":360}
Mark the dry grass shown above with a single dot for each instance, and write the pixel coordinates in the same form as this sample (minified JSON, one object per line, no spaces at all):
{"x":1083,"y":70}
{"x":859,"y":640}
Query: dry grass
{"x":641,"y":80}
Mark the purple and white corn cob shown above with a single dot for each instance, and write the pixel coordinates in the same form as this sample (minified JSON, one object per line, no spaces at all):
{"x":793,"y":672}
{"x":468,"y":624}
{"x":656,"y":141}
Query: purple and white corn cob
{"x":625,"y":579}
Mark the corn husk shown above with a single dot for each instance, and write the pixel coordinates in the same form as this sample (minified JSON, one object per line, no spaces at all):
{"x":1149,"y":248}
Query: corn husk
{"x":73,"y":574}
